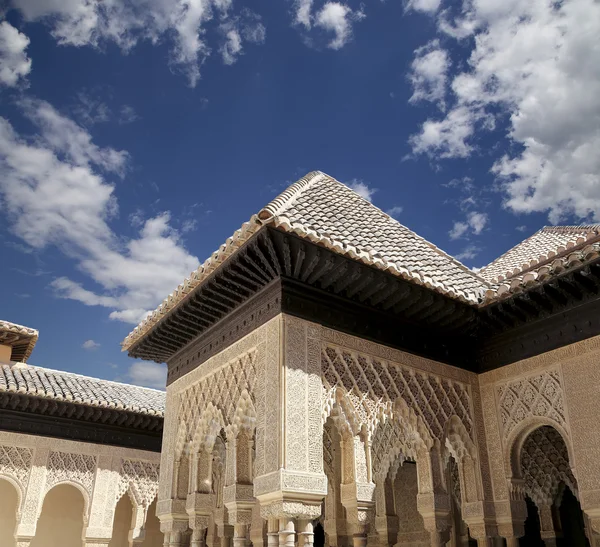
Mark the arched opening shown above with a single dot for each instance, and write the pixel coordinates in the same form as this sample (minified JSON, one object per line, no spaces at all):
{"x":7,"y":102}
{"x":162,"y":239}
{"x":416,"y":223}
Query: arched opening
{"x":554,"y":515}
{"x":411,"y":527}
{"x":122,"y":522}
{"x":154,"y":537}
{"x":319,"y":539}
{"x":61,"y":521}
{"x":571,"y":521}
{"x":9,"y":501}
{"x":459,"y":531}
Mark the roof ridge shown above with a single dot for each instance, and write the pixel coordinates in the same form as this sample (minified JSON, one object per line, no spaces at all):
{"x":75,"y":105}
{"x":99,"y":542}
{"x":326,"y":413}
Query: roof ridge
{"x":290,"y":194}
{"x":46,"y":369}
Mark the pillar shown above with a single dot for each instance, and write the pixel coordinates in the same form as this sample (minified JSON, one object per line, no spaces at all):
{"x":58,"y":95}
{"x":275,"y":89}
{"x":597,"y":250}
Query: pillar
{"x":306,"y":533}
{"x":290,"y":482}
{"x":547,"y":529}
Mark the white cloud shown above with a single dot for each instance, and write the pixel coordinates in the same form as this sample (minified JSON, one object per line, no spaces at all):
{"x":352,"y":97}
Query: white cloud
{"x":127,"y":114}
{"x":395,"y":211}
{"x":55,"y":191}
{"x":521,"y":228}
{"x":337,"y":18}
{"x":148,"y":374}
{"x":362,"y":189}
{"x":303,"y":12}
{"x":458,"y":230}
{"x":468,"y":253}
{"x":533,"y":65}
{"x":450,"y":136}
{"x":127,"y":22}
{"x":474,"y":224}
{"x":90,"y":345}
{"x":14,"y":63}
{"x":427,"y":6}
{"x":429,"y":73}
{"x":248,"y":27}
{"x":477,"y":221}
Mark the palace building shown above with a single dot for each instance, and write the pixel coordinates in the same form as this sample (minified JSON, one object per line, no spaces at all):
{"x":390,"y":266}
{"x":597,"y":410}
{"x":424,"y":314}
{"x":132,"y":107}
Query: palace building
{"x":333,"y":379}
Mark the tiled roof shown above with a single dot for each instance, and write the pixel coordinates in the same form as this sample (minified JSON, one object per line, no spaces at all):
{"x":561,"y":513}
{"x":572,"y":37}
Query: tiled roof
{"x":325,"y":211}
{"x":22,"y":339}
{"x":545,"y":245}
{"x":66,"y":386}
{"x":319,"y":208}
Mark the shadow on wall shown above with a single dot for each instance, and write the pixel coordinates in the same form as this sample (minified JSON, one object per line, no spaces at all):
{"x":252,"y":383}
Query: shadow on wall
{"x":61,"y":521}
{"x":9,"y":500}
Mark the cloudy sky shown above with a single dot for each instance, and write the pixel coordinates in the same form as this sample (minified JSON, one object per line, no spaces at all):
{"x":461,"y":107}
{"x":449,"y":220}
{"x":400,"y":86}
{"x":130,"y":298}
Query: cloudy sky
{"x":137,"y":135}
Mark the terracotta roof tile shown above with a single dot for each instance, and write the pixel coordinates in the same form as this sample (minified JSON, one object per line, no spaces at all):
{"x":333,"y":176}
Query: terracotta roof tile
{"x":66,"y":386}
{"x":544,"y":246}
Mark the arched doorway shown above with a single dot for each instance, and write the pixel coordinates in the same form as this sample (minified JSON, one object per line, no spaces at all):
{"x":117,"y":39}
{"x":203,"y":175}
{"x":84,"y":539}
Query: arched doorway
{"x":554,"y":516}
{"x":154,"y":537}
{"x":122,"y":522}
{"x":9,"y":501}
{"x":61,"y":521}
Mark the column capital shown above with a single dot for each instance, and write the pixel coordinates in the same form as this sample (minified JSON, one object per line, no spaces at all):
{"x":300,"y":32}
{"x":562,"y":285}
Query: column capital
{"x":290,"y":509}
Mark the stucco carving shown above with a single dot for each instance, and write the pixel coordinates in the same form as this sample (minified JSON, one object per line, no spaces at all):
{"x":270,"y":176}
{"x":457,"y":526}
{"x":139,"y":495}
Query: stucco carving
{"x":141,"y":479}
{"x":545,"y":465}
{"x":71,"y":467}
{"x":15,"y":462}
{"x":535,"y":395}
{"x":372,"y":385}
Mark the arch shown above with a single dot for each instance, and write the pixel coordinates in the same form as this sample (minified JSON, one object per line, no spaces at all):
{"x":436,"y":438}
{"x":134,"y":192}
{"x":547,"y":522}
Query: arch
{"x":338,"y":399}
{"x":459,"y":446}
{"x":63,"y":518}
{"x":517,"y":438}
{"x":83,"y":491}
{"x":244,"y":417}
{"x":122,"y":521}
{"x":18,"y":487}
{"x":9,"y":510}
{"x":208,"y":428}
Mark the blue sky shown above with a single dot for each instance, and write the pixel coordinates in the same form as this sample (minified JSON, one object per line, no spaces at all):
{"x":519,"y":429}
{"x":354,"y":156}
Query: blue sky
{"x":136,"y":136}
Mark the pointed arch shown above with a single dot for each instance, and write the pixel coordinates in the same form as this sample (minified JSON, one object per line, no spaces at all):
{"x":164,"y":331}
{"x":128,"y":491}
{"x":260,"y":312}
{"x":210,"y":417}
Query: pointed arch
{"x":459,"y":446}
{"x":244,"y":417}
{"x":209,"y":426}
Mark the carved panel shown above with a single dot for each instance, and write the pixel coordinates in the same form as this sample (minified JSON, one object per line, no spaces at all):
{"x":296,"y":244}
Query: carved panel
{"x":536,"y":395}
{"x":545,"y":464}
{"x":66,"y":466}
{"x":141,"y":478}
{"x":16,"y":462}
{"x":372,"y":384}
{"x":222,"y":388}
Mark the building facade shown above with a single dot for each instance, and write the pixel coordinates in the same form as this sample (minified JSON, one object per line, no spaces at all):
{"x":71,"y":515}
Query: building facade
{"x":335,"y":379}
{"x":79,"y":457}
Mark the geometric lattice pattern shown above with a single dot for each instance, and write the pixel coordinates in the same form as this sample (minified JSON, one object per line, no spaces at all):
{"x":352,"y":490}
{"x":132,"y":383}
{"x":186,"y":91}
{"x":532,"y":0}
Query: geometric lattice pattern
{"x":545,"y":465}
{"x":223,"y":388}
{"x":389,"y":442}
{"x":16,"y":462}
{"x":142,"y":478}
{"x":373,"y":383}
{"x":538,"y":395}
{"x":65,"y":466}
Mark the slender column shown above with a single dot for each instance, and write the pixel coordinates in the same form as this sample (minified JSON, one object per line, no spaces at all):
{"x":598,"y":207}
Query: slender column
{"x":198,"y":537}
{"x":272,"y":532}
{"x":240,"y":535}
{"x":306,"y":532}
{"x":175,"y":539}
{"x":287,"y":533}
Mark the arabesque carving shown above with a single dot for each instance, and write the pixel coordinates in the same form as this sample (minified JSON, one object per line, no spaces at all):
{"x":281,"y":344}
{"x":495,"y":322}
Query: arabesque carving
{"x":538,"y":395}
{"x":372,"y":385}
